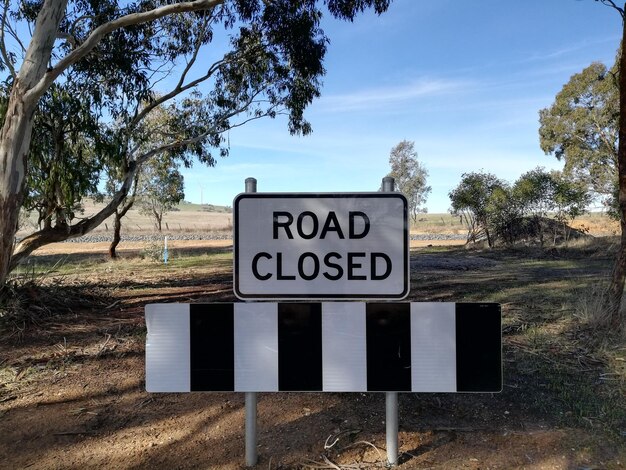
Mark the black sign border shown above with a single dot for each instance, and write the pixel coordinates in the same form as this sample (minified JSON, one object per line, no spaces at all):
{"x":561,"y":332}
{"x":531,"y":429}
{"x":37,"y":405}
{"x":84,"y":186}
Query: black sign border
{"x":407,"y":287}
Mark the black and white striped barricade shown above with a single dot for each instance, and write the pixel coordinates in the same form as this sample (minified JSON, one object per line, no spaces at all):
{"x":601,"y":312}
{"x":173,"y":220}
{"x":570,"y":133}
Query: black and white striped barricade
{"x":324,"y":347}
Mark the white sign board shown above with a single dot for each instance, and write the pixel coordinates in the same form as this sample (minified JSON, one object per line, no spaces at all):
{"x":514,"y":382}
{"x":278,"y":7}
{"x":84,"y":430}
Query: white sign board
{"x":321,"y":246}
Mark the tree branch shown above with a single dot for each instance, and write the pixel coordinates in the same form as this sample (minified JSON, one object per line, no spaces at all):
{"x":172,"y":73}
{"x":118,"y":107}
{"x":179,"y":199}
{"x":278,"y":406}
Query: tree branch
{"x":194,"y":55}
{"x":611,"y":3}
{"x":71,"y":40}
{"x":193,"y":140}
{"x":176,"y":91}
{"x":97,"y":34}
{"x":3,"y":48}
{"x":57,"y":234}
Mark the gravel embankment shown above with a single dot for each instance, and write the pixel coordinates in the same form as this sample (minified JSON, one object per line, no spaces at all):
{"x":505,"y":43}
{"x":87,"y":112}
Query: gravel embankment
{"x":149,"y":237}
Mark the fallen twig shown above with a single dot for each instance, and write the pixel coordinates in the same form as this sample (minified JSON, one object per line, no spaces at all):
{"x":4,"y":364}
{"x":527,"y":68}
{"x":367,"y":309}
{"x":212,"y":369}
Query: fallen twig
{"x":73,"y":433}
{"x":332,"y":465}
{"x":338,"y":435}
{"x":104,"y":345}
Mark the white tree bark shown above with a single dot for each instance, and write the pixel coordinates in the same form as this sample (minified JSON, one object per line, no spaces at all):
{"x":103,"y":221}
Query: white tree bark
{"x":16,"y":131}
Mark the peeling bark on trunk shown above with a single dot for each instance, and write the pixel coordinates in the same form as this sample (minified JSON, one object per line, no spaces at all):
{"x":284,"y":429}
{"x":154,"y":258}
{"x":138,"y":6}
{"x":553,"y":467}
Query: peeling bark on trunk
{"x":16,"y":130}
{"x":619,"y":267}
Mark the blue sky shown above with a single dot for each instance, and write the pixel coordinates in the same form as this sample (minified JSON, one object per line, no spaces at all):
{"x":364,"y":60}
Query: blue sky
{"x":463,"y":80}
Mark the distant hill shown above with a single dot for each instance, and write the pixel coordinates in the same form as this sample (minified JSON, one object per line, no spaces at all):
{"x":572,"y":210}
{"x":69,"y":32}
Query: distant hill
{"x":191,"y":206}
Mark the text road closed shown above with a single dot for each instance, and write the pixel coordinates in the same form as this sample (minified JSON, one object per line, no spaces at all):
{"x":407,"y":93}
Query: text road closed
{"x":321,"y":245}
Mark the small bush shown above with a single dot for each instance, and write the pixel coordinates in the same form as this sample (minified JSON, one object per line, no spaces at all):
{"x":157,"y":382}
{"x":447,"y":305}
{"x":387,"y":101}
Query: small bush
{"x":592,"y":305}
{"x":152,"y":251}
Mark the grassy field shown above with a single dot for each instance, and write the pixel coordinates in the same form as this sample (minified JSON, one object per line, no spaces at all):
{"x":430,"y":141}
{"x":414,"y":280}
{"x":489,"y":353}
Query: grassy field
{"x":72,"y":369}
{"x":186,"y":218}
{"x":594,"y":223}
{"x":190,"y":217}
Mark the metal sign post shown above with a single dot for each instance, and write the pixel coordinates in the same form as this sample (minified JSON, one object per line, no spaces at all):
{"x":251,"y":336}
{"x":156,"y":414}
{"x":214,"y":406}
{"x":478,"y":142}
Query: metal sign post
{"x":391,"y":398}
{"x":251,"y":397}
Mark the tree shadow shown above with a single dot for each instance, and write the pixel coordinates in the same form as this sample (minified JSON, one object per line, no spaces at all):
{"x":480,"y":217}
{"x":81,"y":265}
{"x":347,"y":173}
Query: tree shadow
{"x":544,"y":388}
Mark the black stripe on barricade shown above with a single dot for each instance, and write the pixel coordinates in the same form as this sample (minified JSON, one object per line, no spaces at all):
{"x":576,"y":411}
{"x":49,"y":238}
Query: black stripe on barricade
{"x":388,"y":346}
{"x":211,"y":345}
{"x":300,"y":347}
{"x":478,"y":347}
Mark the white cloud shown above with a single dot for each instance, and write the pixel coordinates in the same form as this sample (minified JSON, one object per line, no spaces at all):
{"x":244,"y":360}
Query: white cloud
{"x":374,"y":98}
{"x":550,"y":55}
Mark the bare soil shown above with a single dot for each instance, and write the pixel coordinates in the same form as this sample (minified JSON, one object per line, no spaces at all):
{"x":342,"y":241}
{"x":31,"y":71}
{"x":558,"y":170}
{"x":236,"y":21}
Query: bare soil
{"x":72,"y":378}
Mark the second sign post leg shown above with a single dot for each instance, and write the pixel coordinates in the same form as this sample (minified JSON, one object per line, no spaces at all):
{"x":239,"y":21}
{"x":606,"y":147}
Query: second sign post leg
{"x":391,"y":398}
{"x":391,"y":421}
{"x":251,"y":435}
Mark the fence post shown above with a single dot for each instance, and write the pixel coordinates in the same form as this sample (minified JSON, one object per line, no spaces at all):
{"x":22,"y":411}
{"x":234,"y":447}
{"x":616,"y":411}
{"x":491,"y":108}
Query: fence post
{"x":251,"y":397}
{"x":391,"y":398}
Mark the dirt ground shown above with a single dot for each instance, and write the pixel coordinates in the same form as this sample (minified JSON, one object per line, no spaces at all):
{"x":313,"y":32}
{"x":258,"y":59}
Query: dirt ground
{"x":72,"y":391}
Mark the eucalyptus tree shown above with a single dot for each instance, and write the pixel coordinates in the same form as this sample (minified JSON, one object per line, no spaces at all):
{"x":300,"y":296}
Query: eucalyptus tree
{"x":618,"y":275}
{"x":571,"y":199}
{"x":539,"y":193}
{"x":471,"y":201}
{"x":65,"y":159}
{"x":535,"y":191}
{"x":161,"y":187}
{"x":273,"y":64}
{"x":595,"y":145}
{"x":581,"y":128}
{"x":410,"y":176}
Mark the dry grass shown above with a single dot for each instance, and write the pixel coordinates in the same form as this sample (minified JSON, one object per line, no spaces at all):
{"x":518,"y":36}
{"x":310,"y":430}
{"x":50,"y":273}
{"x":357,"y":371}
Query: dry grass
{"x":196,"y":218}
{"x":597,"y":224}
{"x":592,"y":305}
{"x":188,"y":219}
{"x":126,"y":247}
{"x":558,"y":376}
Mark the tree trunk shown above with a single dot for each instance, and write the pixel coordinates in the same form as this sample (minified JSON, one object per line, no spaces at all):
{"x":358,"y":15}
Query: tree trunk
{"x":117,"y":229}
{"x":619,"y":267}
{"x":488,"y":235}
{"x":18,"y":124}
{"x":157,"y":217}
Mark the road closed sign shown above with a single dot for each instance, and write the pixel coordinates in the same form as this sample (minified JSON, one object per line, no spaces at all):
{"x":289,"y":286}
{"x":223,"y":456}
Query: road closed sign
{"x":321,"y":246}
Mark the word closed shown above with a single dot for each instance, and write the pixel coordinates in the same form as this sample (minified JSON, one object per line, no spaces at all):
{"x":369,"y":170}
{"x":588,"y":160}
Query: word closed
{"x":321,"y":246}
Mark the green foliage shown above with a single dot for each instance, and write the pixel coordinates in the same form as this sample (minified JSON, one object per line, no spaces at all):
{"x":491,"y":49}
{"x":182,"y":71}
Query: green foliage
{"x":67,"y":154}
{"x":581,"y":128}
{"x":504,"y":212}
{"x":269,"y":61}
{"x":410,"y":176}
{"x":535,"y":191}
{"x":470,"y":199}
{"x":571,"y":199}
{"x":272,"y":65}
{"x":494,"y":209}
{"x":160,"y":187}
{"x":152,"y":251}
